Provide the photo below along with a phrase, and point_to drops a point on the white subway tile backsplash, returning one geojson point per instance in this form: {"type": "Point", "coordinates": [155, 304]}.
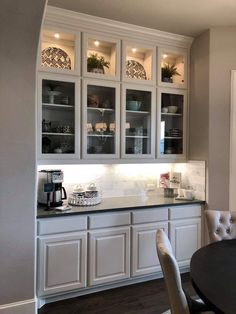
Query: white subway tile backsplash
{"type": "Point", "coordinates": [132, 179]}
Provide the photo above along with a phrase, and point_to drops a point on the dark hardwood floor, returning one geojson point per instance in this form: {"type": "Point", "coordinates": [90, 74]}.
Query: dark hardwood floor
{"type": "Point", "coordinates": [143, 298]}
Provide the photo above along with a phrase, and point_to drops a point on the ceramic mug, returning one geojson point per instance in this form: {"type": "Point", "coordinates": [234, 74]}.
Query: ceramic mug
{"type": "Point", "coordinates": [188, 194]}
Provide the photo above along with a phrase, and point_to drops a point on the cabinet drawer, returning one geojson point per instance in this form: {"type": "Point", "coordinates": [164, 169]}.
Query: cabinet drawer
{"type": "Point", "coordinates": [185, 211]}
{"type": "Point", "coordinates": [109, 220]}
{"type": "Point", "coordinates": [149, 215]}
{"type": "Point", "coordinates": [60, 225]}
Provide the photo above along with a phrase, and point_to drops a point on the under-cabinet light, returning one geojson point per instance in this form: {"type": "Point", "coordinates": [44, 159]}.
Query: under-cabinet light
{"type": "Point", "coordinates": [165, 56]}
{"type": "Point", "coordinates": [96, 43]}
{"type": "Point", "coordinates": [134, 50]}
{"type": "Point", "coordinates": [56, 35]}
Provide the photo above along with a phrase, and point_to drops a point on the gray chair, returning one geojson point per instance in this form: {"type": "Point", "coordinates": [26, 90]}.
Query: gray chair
{"type": "Point", "coordinates": [180, 302]}
{"type": "Point", "coordinates": [221, 225]}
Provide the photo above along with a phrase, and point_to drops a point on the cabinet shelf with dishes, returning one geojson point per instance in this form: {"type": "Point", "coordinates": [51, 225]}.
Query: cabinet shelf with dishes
{"type": "Point", "coordinates": [138, 121]}
{"type": "Point", "coordinates": [172, 121]}
{"type": "Point", "coordinates": [58, 115]}
{"type": "Point", "coordinates": [101, 119]}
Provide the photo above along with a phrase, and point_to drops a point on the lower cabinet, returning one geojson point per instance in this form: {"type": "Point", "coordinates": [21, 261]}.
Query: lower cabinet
{"type": "Point", "coordinates": [62, 263]}
{"type": "Point", "coordinates": [109, 255]}
{"type": "Point", "coordinates": [144, 255]}
{"type": "Point", "coordinates": [121, 246]}
{"type": "Point", "coordinates": [185, 238]}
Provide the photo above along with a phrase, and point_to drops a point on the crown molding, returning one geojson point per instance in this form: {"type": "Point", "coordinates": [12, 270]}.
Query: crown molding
{"type": "Point", "coordinates": [83, 22]}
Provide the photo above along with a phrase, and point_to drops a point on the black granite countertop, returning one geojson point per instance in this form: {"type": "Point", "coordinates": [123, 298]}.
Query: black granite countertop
{"type": "Point", "coordinates": [117, 203]}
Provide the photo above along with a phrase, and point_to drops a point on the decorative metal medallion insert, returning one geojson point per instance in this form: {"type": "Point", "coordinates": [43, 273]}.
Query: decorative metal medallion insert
{"type": "Point", "coordinates": [54, 57]}
{"type": "Point", "coordinates": [134, 69]}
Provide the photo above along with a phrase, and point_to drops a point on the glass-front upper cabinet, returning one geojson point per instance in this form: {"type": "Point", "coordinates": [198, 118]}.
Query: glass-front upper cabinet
{"type": "Point", "coordinates": [139, 63]}
{"type": "Point", "coordinates": [172, 123]}
{"type": "Point", "coordinates": [138, 121]}
{"type": "Point", "coordinates": [172, 67]}
{"type": "Point", "coordinates": [59, 51]}
{"type": "Point", "coordinates": [101, 119]}
{"type": "Point", "coordinates": [101, 57]}
{"type": "Point", "coordinates": [58, 117]}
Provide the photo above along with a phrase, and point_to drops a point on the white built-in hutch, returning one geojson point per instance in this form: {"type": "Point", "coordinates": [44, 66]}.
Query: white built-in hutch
{"type": "Point", "coordinates": [129, 110]}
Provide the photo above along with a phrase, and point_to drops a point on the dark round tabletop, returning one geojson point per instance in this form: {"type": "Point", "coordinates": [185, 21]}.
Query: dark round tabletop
{"type": "Point", "coordinates": [213, 273]}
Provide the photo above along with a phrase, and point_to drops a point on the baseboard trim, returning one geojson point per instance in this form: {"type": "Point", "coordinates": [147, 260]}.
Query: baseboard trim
{"type": "Point", "coordinates": [21, 307]}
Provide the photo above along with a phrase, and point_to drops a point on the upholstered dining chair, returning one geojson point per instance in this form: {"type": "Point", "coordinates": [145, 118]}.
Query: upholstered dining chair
{"type": "Point", "coordinates": [221, 225]}
{"type": "Point", "coordinates": [180, 302]}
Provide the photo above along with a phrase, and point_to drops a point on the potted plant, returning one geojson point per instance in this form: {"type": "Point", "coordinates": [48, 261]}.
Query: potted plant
{"type": "Point", "coordinates": [97, 63]}
{"type": "Point", "coordinates": [168, 71]}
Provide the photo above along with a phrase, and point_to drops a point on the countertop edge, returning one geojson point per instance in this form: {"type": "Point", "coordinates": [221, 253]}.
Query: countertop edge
{"type": "Point", "coordinates": [90, 210]}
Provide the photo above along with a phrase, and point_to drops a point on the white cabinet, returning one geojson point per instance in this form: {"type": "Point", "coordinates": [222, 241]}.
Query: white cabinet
{"type": "Point", "coordinates": [101, 119]}
{"type": "Point", "coordinates": [144, 227]}
{"type": "Point", "coordinates": [172, 122]}
{"type": "Point", "coordinates": [109, 255]}
{"type": "Point", "coordinates": [138, 63]}
{"type": "Point", "coordinates": [62, 254]}
{"type": "Point", "coordinates": [61, 263]}
{"type": "Point", "coordinates": [113, 127]}
{"type": "Point", "coordinates": [138, 121]}
{"type": "Point", "coordinates": [144, 255]}
{"type": "Point", "coordinates": [58, 116]}
{"type": "Point", "coordinates": [101, 57]}
{"type": "Point", "coordinates": [185, 232]}
{"type": "Point", "coordinates": [173, 67]}
{"type": "Point", "coordinates": [121, 247]}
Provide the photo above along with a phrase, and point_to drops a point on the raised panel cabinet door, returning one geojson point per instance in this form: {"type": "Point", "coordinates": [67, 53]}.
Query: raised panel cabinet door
{"type": "Point", "coordinates": [185, 237]}
{"type": "Point", "coordinates": [144, 254]}
{"type": "Point", "coordinates": [109, 255]}
{"type": "Point", "coordinates": [62, 263]}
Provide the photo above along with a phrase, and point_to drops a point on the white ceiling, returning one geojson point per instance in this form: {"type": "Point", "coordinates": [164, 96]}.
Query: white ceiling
{"type": "Point", "coordinates": [185, 17]}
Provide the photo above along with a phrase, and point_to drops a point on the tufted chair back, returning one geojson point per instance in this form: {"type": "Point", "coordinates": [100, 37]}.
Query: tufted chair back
{"type": "Point", "coordinates": [170, 269]}
{"type": "Point", "coordinates": [221, 225]}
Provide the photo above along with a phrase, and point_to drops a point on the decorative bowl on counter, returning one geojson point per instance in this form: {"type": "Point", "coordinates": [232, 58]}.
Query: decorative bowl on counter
{"type": "Point", "coordinates": [85, 197]}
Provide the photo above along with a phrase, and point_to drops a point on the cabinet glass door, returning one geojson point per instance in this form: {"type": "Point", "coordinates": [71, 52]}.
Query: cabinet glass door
{"type": "Point", "coordinates": [101, 119]}
{"type": "Point", "coordinates": [172, 67]}
{"type": "Point", "coordinates": [138, 63]}
{"type": "Point", "coordinates": [172, 124]}
{"type": "Point", "coordinates": [59, 51]}
{"type": "Point", "coordinates": [58, 117]}
{"type": "Point", "coordinates": [101, 57]}
{"type": "Point", "coordinates": [138, 123]}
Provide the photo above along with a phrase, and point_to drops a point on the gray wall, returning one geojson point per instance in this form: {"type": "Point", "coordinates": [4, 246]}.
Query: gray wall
{"type": "Point", "coordinates": [222, 59]}
{"type": "Point", "coordinates": [199, 98]}
{"type": "Point", "coordinates": [20, 23]}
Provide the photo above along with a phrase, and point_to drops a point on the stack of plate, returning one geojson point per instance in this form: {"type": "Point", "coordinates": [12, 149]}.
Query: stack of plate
{"type": "Point", "coordinates": [175, 132]}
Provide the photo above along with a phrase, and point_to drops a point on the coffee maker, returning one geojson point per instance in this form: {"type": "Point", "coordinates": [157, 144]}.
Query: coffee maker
{"type": "Point", "coordinates": [50, 189]}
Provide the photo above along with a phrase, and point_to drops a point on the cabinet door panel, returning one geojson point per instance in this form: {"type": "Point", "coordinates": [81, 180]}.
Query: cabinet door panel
{"type": "Point", "coordinates": [185, 237]}
{"type": "Point", "coordinates": [61, 263]}
{"type": "Point", "coordinates": [144, 255]}
{"type": "Point", "coordinates": [109, 255]}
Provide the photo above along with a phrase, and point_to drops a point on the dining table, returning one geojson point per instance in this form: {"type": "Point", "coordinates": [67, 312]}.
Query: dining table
{"type": "Point", "coordinates": [213, 275]}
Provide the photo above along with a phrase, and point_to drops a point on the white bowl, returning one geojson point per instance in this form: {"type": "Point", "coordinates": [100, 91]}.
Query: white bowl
{"type": "Point", "coordinates": [172, 109]}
